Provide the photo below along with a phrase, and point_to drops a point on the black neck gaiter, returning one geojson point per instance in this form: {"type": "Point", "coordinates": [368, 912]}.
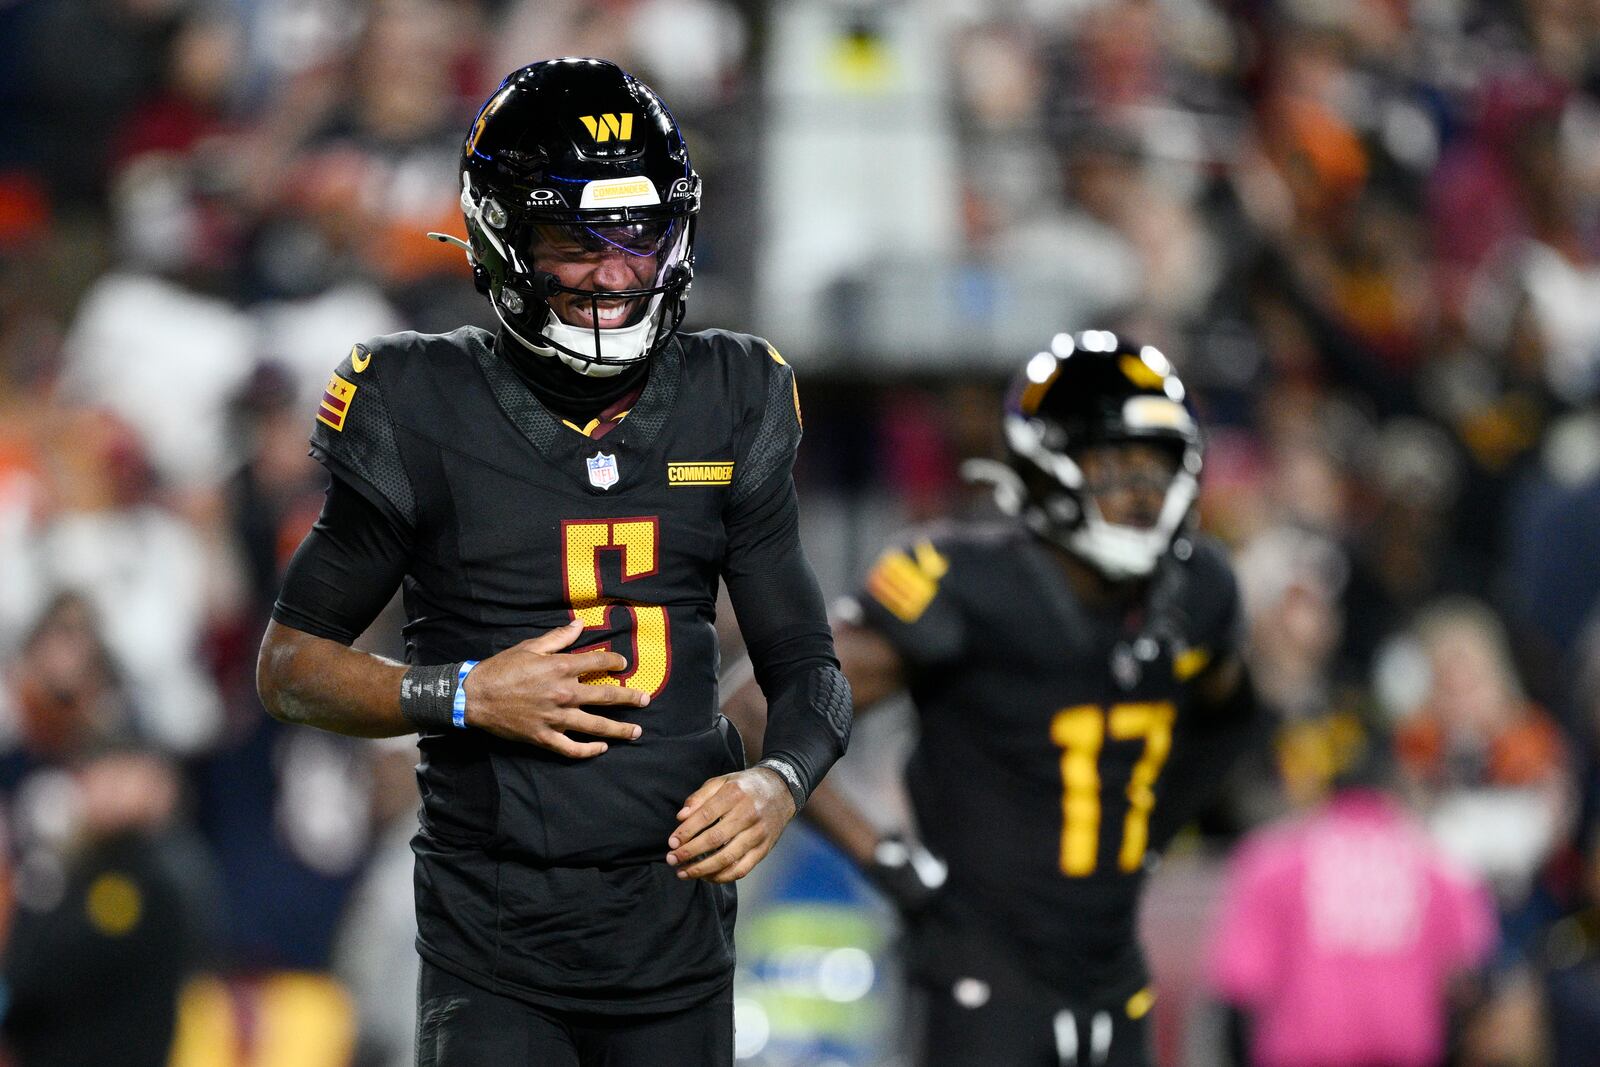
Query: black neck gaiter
{"type": "Point", "coordinates": [562, 390]}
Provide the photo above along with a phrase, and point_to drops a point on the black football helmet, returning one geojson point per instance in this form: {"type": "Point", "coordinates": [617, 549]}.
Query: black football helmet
{"type": "Point", "coordinates": [1094, 388]}
{"type": "Point", "coordinates": [579, 154]}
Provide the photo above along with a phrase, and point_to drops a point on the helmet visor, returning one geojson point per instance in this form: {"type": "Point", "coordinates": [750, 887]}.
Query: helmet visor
{"type": "Point", "coordinates": [563, 242]}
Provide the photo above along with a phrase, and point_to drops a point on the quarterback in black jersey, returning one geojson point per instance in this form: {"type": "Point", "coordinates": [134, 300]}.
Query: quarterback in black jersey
{"type": "Point", "coordinates": [1078, 689]}
{"type": "Point", "coordinates": [558, 501]}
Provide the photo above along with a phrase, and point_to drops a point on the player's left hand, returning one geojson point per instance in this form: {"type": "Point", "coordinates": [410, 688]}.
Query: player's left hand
{"type": "Point", "coordinates": [728, 825]}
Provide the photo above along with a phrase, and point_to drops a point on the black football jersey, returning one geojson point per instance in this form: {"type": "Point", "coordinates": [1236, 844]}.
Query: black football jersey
{"type": "Point", "coordinates": [1059, 748]}
{"type": "Point", "coordinates": [519, 523]}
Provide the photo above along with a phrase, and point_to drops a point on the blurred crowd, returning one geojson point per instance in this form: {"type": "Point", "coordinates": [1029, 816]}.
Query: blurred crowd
{"type": "Point", "coordinates": [1366, 231]}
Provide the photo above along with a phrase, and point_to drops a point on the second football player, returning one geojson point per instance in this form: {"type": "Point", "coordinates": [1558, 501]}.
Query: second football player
{"type": "Point", "coordinates": [1078, 689]}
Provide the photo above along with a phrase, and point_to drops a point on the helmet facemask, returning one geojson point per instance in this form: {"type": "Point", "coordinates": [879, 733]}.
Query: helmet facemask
{"type": "Point", "coordinates": [597, 331]}
{"type": "Point", "coordinates": [1054, 497]}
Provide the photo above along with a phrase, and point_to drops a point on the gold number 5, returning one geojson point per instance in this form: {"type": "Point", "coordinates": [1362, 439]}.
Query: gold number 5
{"type": "Point", "coordinates": [638, 541]}
{"type": "Point", "coordinates": [1080, 732]}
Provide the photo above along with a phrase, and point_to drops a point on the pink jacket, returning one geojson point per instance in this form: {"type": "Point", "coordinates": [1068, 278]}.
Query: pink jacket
{"type": "Point", "coordinates": [1339, 934]}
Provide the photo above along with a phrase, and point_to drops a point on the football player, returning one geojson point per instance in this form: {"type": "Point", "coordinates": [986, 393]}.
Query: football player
{"type": "Point", "coordinates": [558, 500]}
{"type": "Point", "coordinates": [1078, 687]}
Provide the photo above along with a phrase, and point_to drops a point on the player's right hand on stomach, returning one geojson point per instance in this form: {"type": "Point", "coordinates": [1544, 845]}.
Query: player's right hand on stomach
{"type": "Point", "coordinates": [531, 692]}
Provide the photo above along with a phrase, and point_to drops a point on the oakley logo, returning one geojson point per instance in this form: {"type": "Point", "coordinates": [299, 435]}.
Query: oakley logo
{"type": "Point", "coordinates": [604, 127]}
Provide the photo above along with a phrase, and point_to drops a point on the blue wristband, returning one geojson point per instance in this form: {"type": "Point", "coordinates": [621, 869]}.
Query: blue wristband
{"type": "Point", "coordinates": [458, 709]}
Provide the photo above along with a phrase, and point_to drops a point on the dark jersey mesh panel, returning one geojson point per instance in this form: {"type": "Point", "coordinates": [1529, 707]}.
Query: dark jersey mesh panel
{"type": "Point", "coordinates": [365, 446]}
{"type": "Point", "coordinates": [776, 438]}
{"type": "Point", "coordinates": [512, 394]}
{"type": "Point", "coordinates": [660, 397]}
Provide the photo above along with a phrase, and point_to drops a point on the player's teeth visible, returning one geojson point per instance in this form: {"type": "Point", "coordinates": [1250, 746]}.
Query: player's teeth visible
{"type": "Point", "coordinates": [608, 314]}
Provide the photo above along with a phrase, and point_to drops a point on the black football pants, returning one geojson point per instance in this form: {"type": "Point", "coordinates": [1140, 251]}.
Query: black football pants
{"type": "Point", "coordinates": [1024, 1029]}
{"type": "Point", "coordinates": [973, 1006]}
{"type": "Point", "coordinates": [460, 1025]}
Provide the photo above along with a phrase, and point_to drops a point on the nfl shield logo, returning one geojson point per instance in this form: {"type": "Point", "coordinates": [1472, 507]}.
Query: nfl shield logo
{"type": "Point", "coordinates": [602, 470]}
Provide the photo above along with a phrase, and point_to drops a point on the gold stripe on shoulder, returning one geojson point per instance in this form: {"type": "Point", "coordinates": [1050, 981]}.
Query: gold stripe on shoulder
{"type": "Point", "coordinates": [931, 560]}
{"type": "Point", "coordinates": [905, 586]}
{"type": "Point", "coordinates": [1190, 662]}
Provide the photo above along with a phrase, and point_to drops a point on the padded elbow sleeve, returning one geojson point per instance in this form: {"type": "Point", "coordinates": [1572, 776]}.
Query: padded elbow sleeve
{"type": "Point", "coordinates": [808, 723]}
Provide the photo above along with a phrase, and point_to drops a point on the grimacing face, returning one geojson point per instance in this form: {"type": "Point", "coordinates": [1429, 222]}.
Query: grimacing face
{"type": "Point", "coordinates": [602, 259]}
{"type": "Point", "coordinates": [1128, 481]}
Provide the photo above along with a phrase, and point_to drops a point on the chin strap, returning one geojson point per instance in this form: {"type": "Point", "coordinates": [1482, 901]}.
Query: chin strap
{"type": "Point", "coordinates": [586, 367]}
{"type": "Point", "coordinates": [618, 347]}
{"type": "Point", "coordinates": [1123, 552]}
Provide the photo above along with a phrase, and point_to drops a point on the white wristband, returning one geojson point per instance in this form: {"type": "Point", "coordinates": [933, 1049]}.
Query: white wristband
{"type": "Point", "coordinates": [791, 778]}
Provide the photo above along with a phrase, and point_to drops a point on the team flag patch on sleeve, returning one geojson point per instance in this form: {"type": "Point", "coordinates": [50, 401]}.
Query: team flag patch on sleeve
{"type": "Point", "coordinates": [904, 585]}
{"type": "Point", "coordinates": [336, 400]}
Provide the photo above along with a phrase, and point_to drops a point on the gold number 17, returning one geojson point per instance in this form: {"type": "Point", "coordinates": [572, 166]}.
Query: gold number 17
{"type": "Point", "coordinates": [1080, 732]}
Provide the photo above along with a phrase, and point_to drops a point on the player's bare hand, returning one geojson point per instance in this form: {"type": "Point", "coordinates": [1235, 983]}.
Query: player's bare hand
{"type": "Point", "coordinates": [728, 825]}
{"type": "Point", "coordinates": [532, 692]}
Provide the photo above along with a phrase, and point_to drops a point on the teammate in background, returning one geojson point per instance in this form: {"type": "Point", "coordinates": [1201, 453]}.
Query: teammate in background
{"type": "Point", "coordinates": [1078, 688]}
{"type": "Point", "coordinates": [558, 501]}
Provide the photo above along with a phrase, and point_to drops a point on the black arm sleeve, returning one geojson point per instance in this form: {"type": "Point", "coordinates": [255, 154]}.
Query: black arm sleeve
{"type": "Point", "coordinates": [785, 626]}
{"type": "Point", "coordinates": [346, 569]}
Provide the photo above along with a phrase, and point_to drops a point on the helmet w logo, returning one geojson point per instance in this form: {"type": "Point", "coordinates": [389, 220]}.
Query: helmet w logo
{"type": "Point", "coordinates": [604, 127]}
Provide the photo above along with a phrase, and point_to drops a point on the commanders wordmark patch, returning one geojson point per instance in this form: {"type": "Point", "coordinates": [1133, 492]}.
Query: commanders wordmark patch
{"type": "Point", "coordinates": [712, 472]}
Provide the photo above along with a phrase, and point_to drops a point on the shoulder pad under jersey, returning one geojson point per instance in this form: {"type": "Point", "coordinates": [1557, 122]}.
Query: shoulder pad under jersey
{"type": "Point", "coordinates": [769, 409]}
{"type": "Point", "coordinates": [354, 433]}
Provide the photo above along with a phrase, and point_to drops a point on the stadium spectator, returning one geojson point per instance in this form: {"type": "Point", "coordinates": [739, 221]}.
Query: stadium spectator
{"type": "Point", "coordinates": [107, 896]}
{"type": "Point", "coordinates": [154, 582]}
{"type": "Point", "coordinates": [1341, 932]}
{"type": "Point", "coordinates": [1492, 767]}
{"type": "Point", "coordinates": [1293, 583]}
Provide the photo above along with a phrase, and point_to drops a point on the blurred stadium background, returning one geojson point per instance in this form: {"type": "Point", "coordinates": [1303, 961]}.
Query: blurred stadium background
{"type": "Point", "coordinates": [1365, 230]}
